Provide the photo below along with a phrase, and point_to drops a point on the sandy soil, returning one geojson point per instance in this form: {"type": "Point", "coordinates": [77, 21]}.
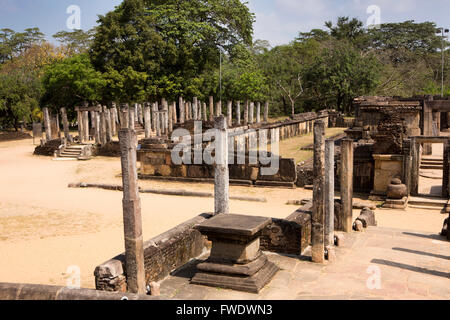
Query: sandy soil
{"type": "Point", "coordinates": [46, 227]}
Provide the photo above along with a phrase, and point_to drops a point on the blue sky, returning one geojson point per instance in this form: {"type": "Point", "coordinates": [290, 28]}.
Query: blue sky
{"type": "Point", "coordinates": [278, 21]}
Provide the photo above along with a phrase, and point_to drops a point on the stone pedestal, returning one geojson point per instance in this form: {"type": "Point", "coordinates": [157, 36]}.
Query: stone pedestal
{"type": "Point", "coordinates": [236, 261]}
{"type": "Point", "coordinates": [387, 167]}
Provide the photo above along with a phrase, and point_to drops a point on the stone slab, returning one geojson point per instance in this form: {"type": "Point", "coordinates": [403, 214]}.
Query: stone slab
{"type": "Point", "coordinates": [252, 284]}
{"type": "Point", "coordinates": [234, 224]}
{"type": "Point", "coordinates": [248, 269]}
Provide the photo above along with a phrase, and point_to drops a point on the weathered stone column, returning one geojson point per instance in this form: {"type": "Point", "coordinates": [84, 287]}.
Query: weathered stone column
{"type": "Point", "coordinates": [132, 220]}
{"type": "Point", "coordinates": [103, 127]}
{"type": "Point", "coordinates": [346, 177]}
{"type": "Point", "coordinates": [258, 112]}
{"type": "Point", "coordinates": [329, 192]}
{"type": "Point", "coordinates": [221, 173]}
{"type": "Point", "coordinates": [80, 125]}
{"type": "Point", "coordinates": [182, 110]}
{"type": "Point", "coordinates": [246, 113]}
{"type": "Point", "coordinates": [251, 119]}
{"type": "Point", "coordinates": [97, 128]}
{"type": "Point", "coordinates": [92, 115]}
{"type": "Point", "coordinates": [427, 124]}
{"type": "Point", "coordinates": [211, 109]}
{"type": "Point", "coordinates": [317, 218]}
{"type": "Point", "coordinates": [195, 109]}
{"type": "Point", "coordinates": [147, 120]}
{"type": "Point", "coordinates": [114, 120]}
{"type": "Point", "coordinates": [205, 115]}
{"type": "Point", "coordinates": [238, 113]}
{"type": "Point", "coordinates": [266, 111]}
{"type": "Point", "coordinates": [140, 114]}
{"type": "Point", "coordinates": [158, 123]}
{"type": "Point", "coordinates": [124, 123]}
{"type": "Point", "coordinates": [165, 106]}
{"type": "Point", "coordinates": [230, 114]}
{"type": "Point", "coordinates": [169, 120]}
{"type": "Point", "coordinates": [109, 134]}
{"type": "Point", "coordinates": [47, 124]}
{"type": "Point", "coordinates": [218, 108]}
{"type": "Point", "coordinates": [86, 125]}
{"type": "Point", "coordinates": [131, 118]}
{"type": "Point", "coordinates": [65, 125]}
{"type": "Point", "coordinates": [174, 113]}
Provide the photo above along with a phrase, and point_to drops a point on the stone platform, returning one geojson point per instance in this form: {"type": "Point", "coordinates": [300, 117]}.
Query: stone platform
{"type": "Point", "coordinates": [410, 265]}
{"type": "Point", "coordinates": [236, 261]}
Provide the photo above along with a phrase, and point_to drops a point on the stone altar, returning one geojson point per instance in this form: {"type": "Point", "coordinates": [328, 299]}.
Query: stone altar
{"type": "Point", "coordinates": [236, 260]}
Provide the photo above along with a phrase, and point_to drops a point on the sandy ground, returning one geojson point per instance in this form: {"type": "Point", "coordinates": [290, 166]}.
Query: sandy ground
{"type": "Point", "coordinates": [46, 227]}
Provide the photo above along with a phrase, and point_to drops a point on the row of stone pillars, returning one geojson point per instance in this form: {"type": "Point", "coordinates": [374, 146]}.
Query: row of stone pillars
{"type": "Point", "coordinates": [323, 215]}
{"type": "Point", "coordinates": [103, 121]}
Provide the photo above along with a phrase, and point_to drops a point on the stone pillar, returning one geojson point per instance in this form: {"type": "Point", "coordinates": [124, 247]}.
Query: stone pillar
{"type": "Point", "coordinates": [147, 120]}
{"type": "Point", "coordinates": [92, 115]}
{"type": "Point", "coordinates": [266, 111]}
{"type": "Point", "coordinates": [131, 118]}
{"type": "Point", "coordinates": [125, 117]}
{"type": "Point", "coordinates": [132, 220]}
{"type": "Point", "coordinates": [80, 125]}
{"type": "Point", "coordinates": [258, 112]}
{"type": "Point", "coordinates": [182, 110]}
{"type": "Point", "coordinates": [65, 125]}
{"type": "Point", "coordinates": [114, 120]}
{"type": "Point", "coordinates": [158, 123]}
{"type": "Point", "coordinates": [174, 113]}
{"type": "Point", "coordinates": [246, 113]}
{"type": "Point", "coordinates": [251, 119]}
{"type": "Point", "coordinates": [230, 114]}
{"type": "Point", "coordinates": [427, 125]}
{"type": "Point", "coordinates": [211, 109]}
{"type": "Point", "coordinates": [195, 109]}
{"type": "Point", "coordinates": [218, 108]}
{"type": "Point", "coordinates": [103, 127]}
{"type": "Point", "coordinates": [140, 114]}
{"type": "Point", "coordinates": [221, 173]}
{"type": "Point", "coordinates": [329, 192]}
{"type": "Point", "coordinates": [86, 125]}
{"type": "Point", "coordinates": [170, 120]}
{"type": "Point", "coordinates": [317, 218]}
{"type": "Point", "coordinates": [238, 113]}
{"type": "Point", "coordinates": [97, 128]}
{"type": "Point", "coordinates": [165, 107]}
{"type": "Point", "coordinates": [346, 176]}
{"type": "Point", "coordinates": [205, 116]}
{"type": "Point", "coordinates": [415, 164]}
{"type": "Point", "coordinates": [47, 124]}
{"type": "Point", "coordinates": [109, 134]}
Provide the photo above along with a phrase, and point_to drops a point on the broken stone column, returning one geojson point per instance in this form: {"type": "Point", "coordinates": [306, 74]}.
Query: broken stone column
{"type": "Point", "coordinates": [230, 114]}
{"type": "Point", "coordinates": [317, 218]}
{"type": "Point", "coordinates": [329, 192]}
{"type": "Point", "coordinates": [131, 118]}
{"type": "Point", "coordinates": [86, 126]}
{"type": "Point", "coordinates": [66, 125]}
{"type": "Point", "coordinates": [195, 109]}
{"type": "Point", "coordinates": [125, 116]}
{"type": "Point", "coordinates": [103, 128]}
{"type": "Point", "coordinates": [182, 110]}
{"type": "Point", "coordinates": [238, 113]}
{"type": "Point", "coordinates": [221, 173]}
{"type": "Point", "coordinates": [80, 125]}
{"type": "Point", "coordinates": [132, 220]}
{"type": "Point", "coordinates": [258, 112]}
{"type": "Point", "coordinates": [266, 111]}
{"type": "Point", "coordinates": [218, 108]}
{"type": "Point", "coordinates": [251, 119]}
{"type": "Point", "coordinates": [205, 115]}
{"type": "Point", "coordinates": [246, 113]}
{"type": "Point", "coordinates": [109, 134]}
{"type": "Point", "coordinates": [47, 125]}
{"type": "Point", "coordinates": [147, 120]}
{"type": "Point", "coordinates": [97, 128]}
{"type": "Point", "coordinates": [346, 177]}
{"type": "Point", "coordinates": [211, 109]}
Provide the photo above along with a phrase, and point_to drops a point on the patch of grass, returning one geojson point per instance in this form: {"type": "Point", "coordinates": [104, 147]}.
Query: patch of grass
{"type": "Point", "coordinates": [291, 148]}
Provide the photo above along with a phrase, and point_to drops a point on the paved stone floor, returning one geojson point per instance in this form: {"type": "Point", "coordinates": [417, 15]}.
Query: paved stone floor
{"type": "Point", "coordinates": [379, 263]}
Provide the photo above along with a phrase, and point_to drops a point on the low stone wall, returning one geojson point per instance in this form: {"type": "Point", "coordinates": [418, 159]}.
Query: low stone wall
{"type": "Point", "coordinates": [162, 255]}
{"type": "Point", "coordinates": [49, 148]}
{"type": "Point", "coordinates": [111, 149]}
{"type": "Point", "coordinates": [19, 291]}
{"type": "Point", "coordinates": [176, 247]}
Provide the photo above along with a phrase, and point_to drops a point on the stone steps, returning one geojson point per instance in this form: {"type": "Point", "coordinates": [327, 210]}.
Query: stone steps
{"type": "Point", "coordinates": [72, 152]}
{"type": "Point", "coordinates": [432, 167]}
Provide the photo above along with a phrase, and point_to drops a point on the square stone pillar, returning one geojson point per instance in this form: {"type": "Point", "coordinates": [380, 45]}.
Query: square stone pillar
{"type": "Point", "coordinates": [346, 177]}
{"type": "Point", "coordinates": [266, 111]}
{"type": "Point", "coordinates": [238, 113]}
{"type": "Point", "coordinates": [147, 120]}
{"type": "Point", "coordinates": [230, 114]}
{"type": "Point", "coordinates": [246, 113]}
{"type": "Point", "coordinates": [65, 125]}
{"type": "Point", "coordinates": [252, 113]}
{"type": "Point", "coordinates": [221, 173]}
{"type": "Point", "coordinates": [329, 192]}
{"type": "Point", "coordinates": [258, 112]}
{"type": "Point", "coordinates": [86, 126]}
{"type": "Point", "coordinates": [47, 124]}
{"type": "Point", "coordinates": [132, 220]}
{"type": "Point", "coordinates": [317, 218]}
{"type": "Point", "coordinates": [211, 109]}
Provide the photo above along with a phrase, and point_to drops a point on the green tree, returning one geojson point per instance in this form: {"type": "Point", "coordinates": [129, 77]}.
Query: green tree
{"type": "Point", "coordinates": [172, 41]}
{"type": "Point", "coordinates": [77, 41]}
{"type": "Point", "coordinates": [72, 82]}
